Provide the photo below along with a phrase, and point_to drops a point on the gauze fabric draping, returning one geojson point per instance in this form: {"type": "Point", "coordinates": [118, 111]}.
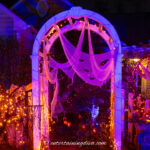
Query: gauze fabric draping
{"type": "Point", "coordinates": [54, 100]}
{"type": "Point", "coordinates": [88, 67]}
{"type": "Point", "coordinates": [100, 74]}
{"type": "Point", "coordinates": [65, 67]}
{"type": "Point", "coordinates": [83, 66]}
{"type": "Point", "coordinates": [51, 76]}
{"type": "Point", "coordinates": [86, 72]}
{"type": "Point", "coordinates": [74, 61]}
{"type": "Point", "coordinates": [67, 46]}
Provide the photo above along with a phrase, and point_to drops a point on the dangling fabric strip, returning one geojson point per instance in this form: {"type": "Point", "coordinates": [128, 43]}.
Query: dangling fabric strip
{"type": "Point", "coordinates": [55, 99]}
{"type": "Point", "coordinates": [67, 46]}
{"type": "Point", "coordinates": [101, 74]}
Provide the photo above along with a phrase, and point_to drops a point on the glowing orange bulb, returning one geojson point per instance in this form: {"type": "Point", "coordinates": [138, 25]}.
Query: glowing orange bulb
{"type": "Point", "coordinates": [1, 124]}
{"type": "Point", "coordinates": [8, 121]}
{"type": "Point", "coordinates": [69, 124]}
{"type": "Point", "coordinates": [94, 130]}
{"type": "Point", "coordinates": [65, 122]}
{"type": "Point", "coordinates": [83, 126]}
{"type": "Point", "coordinates": [50, 130]}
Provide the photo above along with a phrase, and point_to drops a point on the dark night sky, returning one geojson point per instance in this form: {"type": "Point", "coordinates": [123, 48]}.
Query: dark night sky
{"type": "Point", "coordinates": [8, 3]}
{"type": "Point", "coordinates": [115, 6]}
{"type": "Point", "coordinates": [104, 6]}
{"type": "Point", "coordinates": [131, 18]}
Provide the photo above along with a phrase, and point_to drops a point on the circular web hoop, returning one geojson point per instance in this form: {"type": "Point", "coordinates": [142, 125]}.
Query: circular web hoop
{"type": "Point", "coordinates": [94, 69]}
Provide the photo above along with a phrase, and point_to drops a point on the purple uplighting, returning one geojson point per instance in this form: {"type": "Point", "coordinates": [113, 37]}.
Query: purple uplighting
{"type": "Point", "coordinates": [71, 78]}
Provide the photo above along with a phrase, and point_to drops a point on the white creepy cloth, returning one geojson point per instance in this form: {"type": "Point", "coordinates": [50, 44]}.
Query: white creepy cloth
{"type": "Point", "coordinates": [88, 70]}
{"type": "Point", "coordinates": [87, 66]}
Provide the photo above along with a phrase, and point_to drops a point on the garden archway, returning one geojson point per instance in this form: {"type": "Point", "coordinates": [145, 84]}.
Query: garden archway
{"type": "Point", "coordinates": [41, 74]}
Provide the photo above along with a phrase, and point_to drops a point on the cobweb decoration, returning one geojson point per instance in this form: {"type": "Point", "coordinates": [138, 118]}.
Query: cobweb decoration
{"type": "Point", "coordinates": [91, 69]}
{"type": "Point", "coordinates": [143, 68]}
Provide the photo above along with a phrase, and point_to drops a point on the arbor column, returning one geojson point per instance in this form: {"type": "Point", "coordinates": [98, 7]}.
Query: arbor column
{"type": "Point", "coordinates": [36, 102]}
{"type": "Point", "coordinates": [45, 109]}
{"type": "Point", "coordinates": [118, 101]}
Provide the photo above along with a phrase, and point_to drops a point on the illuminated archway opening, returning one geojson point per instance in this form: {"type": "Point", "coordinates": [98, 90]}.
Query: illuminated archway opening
{"type": "Point", "coordinates": [92, 67]}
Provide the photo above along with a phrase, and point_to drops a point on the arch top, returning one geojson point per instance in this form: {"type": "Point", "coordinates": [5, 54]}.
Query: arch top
{"type": "Point", "coordinates": [76, 12]}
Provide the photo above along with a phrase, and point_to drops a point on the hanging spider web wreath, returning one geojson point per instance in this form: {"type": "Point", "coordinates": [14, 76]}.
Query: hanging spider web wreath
{"type": "Point", "coordinates": [94, 69]}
